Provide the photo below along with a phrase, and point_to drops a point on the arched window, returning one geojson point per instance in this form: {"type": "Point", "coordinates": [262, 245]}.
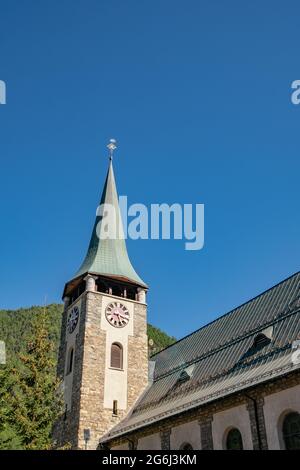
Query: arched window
{"type": "Point", "coordinates": [70, 360]}
{"type": "Point", "coordinates": [116, 356]}
{"type": "Point", "coordinates": [186, 446]}
{"type": "Point", "coordinates": [291, 431]}
{"type": "Point", "coordinates": [234, 440]}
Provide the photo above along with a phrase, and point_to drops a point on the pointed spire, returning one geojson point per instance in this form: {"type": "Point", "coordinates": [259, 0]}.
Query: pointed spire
{"type": "Point", "coordinates": [108, 256]}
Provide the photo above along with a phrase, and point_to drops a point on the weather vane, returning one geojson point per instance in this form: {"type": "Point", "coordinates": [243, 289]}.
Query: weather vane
{"type": "Point", "coordinates": [111, 146]}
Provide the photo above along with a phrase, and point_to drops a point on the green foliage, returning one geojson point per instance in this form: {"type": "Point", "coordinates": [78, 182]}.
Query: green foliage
{"type": "Point", "coordinates": [29, 397]}
{"type": "Point", "coordinates": [9, 438]}
{"type": "Point", "coordinates": [29, 403]}
{"type": "Point", "coordinates": [159, 339]}
{"type": "Point", "coordinates": [35, 401]}
{"type": "Point", "coordinates": [17, 325]}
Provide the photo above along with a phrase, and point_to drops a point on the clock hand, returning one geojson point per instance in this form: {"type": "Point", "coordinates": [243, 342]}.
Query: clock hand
{"type": "Point", "coordinates": [121, 315]}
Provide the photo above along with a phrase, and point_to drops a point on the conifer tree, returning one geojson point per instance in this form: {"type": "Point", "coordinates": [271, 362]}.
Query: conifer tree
{"type": "Point", "coordinates": [35, 401]}
{"type": "Point", "coordinates": [9, 440]}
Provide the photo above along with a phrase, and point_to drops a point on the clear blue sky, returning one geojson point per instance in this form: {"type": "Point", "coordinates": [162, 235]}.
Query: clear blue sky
{"type": "Point", "coordinates": [197, 93]}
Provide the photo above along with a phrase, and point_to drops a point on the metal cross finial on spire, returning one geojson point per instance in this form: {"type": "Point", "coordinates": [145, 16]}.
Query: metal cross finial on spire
{"type": "Point", "coordinates": [111, 146]}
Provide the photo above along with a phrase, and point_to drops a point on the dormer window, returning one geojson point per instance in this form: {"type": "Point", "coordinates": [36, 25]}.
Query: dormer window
{"type": "Point", "coordinates": [260, 341]}
{"type": "Point", "coordinates": [184, 377]}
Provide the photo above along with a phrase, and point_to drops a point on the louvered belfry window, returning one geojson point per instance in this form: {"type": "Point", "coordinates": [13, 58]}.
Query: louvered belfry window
{"type": "Point", "coordinates": [116, 356]}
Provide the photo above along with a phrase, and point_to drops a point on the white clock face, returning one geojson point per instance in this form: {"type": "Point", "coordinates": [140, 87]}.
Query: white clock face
{"type": "Point", "coordinates": [117, 314]}
{"type": "Point", "coordinates": [72, 319]}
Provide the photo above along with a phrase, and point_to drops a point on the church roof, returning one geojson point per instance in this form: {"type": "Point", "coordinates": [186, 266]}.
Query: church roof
{"type": "Point", "coordinates": [108, 256]}
{"type": "Point", "coordinates": [249, 345]}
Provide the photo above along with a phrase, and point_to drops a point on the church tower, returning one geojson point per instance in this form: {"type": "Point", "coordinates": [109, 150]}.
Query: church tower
{"type": "Point", "coordinates": [103, 355]}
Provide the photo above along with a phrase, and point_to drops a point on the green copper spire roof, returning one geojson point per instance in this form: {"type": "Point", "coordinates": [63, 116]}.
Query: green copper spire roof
{"type": "Point", "coordinates": [108, 256]}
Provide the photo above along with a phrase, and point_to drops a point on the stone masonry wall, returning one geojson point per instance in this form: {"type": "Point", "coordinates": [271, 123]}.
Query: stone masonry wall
{"type": "Point", "coordinates": [137, 356]}
{"type": "Point", "coordinates": [93, 374]}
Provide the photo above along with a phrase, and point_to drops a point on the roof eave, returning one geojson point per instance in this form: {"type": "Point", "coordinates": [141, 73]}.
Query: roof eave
{"type": "Point", "coordinates": [121, 278]}
{"type": "Point", "coordinates": [122, 434]}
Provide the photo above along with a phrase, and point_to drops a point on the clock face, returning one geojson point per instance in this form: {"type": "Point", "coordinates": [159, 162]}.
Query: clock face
{"type": "Point", "coordinates": [72, 319]}
{"type": "Point", "coordinates": [117, 314]}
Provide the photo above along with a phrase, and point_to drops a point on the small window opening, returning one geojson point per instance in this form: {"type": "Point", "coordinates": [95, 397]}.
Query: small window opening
{"type": "Point", "coordinates": [70, 361]}
{"type": "Point", "coordinates": [131, 294]}
{"type": "Point", "coordinates": [101, 286]}
{"type": "Point", "coordinates": [116, 290]}
{"type": "Point", "coordinates": [115, 407]}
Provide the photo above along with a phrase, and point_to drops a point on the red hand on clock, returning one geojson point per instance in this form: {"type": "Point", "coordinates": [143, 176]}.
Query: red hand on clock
{"type": "Point", "coordinates": [121, 315]}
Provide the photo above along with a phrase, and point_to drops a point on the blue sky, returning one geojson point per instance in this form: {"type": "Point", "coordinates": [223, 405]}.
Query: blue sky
{"type": "Point", "coordinates": [197, 94]}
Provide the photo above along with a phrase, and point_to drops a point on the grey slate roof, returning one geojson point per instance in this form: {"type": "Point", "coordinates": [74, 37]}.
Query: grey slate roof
{"type": "Point", "coordinates": [108, 256]}
{"type": "Point", "coordinates": [220, 358]}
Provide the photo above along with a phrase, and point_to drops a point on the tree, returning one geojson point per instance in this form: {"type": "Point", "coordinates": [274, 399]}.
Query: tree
{"type": "Point", "coordinates": [9, 439]}
{"type": "Point", "coordinates": [35, 401]}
